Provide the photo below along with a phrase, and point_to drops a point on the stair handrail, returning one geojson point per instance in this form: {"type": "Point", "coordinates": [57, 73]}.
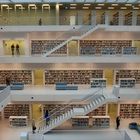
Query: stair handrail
{"type": "Point", "coordinates": [73, 36]}
{"type": "Point", "coordinates": [86, 98]}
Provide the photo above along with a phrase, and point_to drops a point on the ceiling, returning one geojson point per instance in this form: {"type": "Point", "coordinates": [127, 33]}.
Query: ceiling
{"type": "Point", "coordinates": [69, 1]}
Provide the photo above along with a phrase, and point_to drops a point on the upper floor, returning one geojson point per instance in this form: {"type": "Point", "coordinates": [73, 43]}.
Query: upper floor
{"type": "Point", "coordinates": [70, 13]}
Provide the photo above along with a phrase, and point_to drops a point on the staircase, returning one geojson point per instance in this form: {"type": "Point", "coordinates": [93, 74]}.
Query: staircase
{"type": "Point", "coordinates": [90, 30]}
{"type": "Point", "coordinates": [4, 97]}
{"type": "Point", "coordinates": [90, 102]}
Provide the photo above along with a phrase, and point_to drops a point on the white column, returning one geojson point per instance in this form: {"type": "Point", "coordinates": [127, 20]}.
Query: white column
{"type": "Point", "coordinates": [134, 17]}
{"type": "Point", "coordinates": [80, 17]}
{"type": "Point", "coordinates": [93, 17]}
{"type": "Point", "coordinates": [121, 18]}
{"type": "Point", "coordinates": [107, 17]}
{"type": "Point", "coordinates": [57, 14]}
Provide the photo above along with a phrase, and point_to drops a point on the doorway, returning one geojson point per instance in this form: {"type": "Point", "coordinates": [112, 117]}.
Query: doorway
{"type": "Point", "coordinates": [39, 77]}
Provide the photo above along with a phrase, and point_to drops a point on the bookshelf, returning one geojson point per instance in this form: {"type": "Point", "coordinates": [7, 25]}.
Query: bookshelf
{"type": "Point", "coordinates": [100, 111]}
{"type": "Point", "coordinates": [98, 82]}
{"type": "Point", "coordinates": [101, 121]}
{"type": "Point", "coordinates": [39, 47]}
{"type": "Point", "coordinates": [18, 121]}
{"type": "Point", "coordinates": [138, 19]}
{"type": "Point", "coordinates": [71, 76]}
{"type": "Point", "coordinates": [24, 76]}
{"type": "Point", "coordinates": [130, 50]}
{"type": "Point", "coordinates": [115, 20]}
{"type": "Point", "coordinates": [128, 74]}
{"type": "Point", "coordinates": [80, 121]}
{"type": "Point", "coordinates": [129, 110]}
{"type": "Point", "coordinates": [127, 82]}
{"type": "Point", "coordinates": [128, 19]}
{"type": "Point", "coordinates": [16, 110]}
{"type": "Point", "coordinates": [104, 47]}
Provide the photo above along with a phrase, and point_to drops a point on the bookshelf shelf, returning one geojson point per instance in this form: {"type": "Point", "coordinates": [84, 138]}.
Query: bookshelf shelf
{"type": "Point", "coordinates": [129, 110]}
{"type": "Point", "coordinates": [101, 121]}
{"type": "Point", "coordinates": [128, 19]}
{"type": "Point", "coordinates": [24, 76]}
{"type": "Point", "coordinates": [16, 110]}
{"type": "Point", "coordinates": [106, 47]}
{"type": "Point", "coordinates": [39, 47]}
{"type": "Point", "coordinates": [128, 74]}
{"type": "Point", "coordinates": [71, 76]}
{"type": "Point", "coordinates": [18, 121]}
{"type": "Point", "coordinates": [127, 82]}
{"type": "Point", "coordinates": [98, 82]}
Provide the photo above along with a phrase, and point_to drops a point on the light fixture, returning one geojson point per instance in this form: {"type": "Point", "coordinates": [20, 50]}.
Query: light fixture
{"type": "Point", "coordinates": [98, 7]}
{"type": "Point", "coordinates": [85, 7]}
{"type": "Point", "coordinates": [128, 4]}
{"type": "Point", "coordinates": [101, 4]}
{"type": "Point", "coordinates": [72, 7]}
{"type": "Point", "coordinates": [110, 8]}
{"type": "Point", "coordinates": [73, 4]}
{"type": "Point", "coordinates": [60, 4]}
{"type": "Point", "coordinates": [136, 8]}
{"type": "Point", "coordinates": [9, 8]}
{"type": "Point", "coordinates": [114, 4]}
{"type": "Point", "coordinates": [4, 5]}
{"type": "Point", "coordinates": [123, 8]}
{"type": "Point", "coordinates": [87, 4]}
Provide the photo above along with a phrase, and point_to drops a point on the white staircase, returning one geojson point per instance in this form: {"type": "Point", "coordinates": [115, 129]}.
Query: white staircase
{"type": "Point", "coordinates": [90, 103]}
{"type": "Point", "coordinates": [90, 30]}
{"type": "Point", "coordinates": [4, 97]}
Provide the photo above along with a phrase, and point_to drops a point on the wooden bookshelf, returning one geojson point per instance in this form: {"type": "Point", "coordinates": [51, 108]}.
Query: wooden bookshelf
{"type": "Point", "coordinates": [128, 19]}
{"type": "Point", "coordinates": [71, 76]}
{"type": "Point", "coordinates": [98, 82]}
{"type": "Point", "coordinates": [127, 82]}
{"type": "Point", "coordinates": [18, 121]}
{"type": "Point", "coordinates": [39, 47]}
{"type": "Point", "coordinates": [130, 50]}
{"type": "Point", "coordinates": [16, 110]}
{"type": "Point", "coordinates": [24, 76]}
{"type": "Point", "coordinates": [128, 74]}
{"type": "Point", "coordinates": [138, 19]}
{"type": "Point", "coordinates": [100, 111]}
{"type": "Point", "coordinates": [101, 121]}
{"type": "Point", "coordinates": [129, 111]}
{"type": "Point", "coordinates": [115, 20]}
{"type": "Point", "coordinates": [80, 121]}
{"type": "Point", "coordinates": [103, 47]}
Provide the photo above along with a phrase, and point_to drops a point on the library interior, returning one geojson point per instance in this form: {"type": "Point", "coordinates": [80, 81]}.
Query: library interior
{"type": "Point", "coordinates": [69, 66]}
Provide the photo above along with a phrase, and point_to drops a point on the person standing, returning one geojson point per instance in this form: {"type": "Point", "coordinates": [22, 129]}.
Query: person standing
{"type": "Point", "coordinates": [17, 50]}
{"type": "Point", "coordinates": [47, 117]}
{"type": "Point", "coordinates": [8, 81]}
{"type": "Point", "coordinates": [12, 49]}
{"type": "Point", "coordinates": [117, 122]}
{"type": "Point", "coordinates": [40, 22]}
{"type": "Point", "coordinates": [33, 126]}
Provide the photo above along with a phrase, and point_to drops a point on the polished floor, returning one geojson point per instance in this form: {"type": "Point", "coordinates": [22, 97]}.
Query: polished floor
{"type": "Point", "coordinates": [13, 133]}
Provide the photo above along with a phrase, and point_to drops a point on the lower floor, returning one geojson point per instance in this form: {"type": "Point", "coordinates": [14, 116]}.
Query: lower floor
{"type": "Point", "coordinates": [13, 133]}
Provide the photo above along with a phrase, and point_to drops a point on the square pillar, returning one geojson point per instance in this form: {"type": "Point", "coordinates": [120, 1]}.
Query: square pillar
{"type": "Point", "coordinates": [107, 17]}
{"type": "Point", "coordinates": [121, 18]}
{"type": "Point", "coordinates": [134, 18]}
{"type": "Point", "coordinates": [80, 17]}
{"type": "Point", "coordinates": [93, 17]}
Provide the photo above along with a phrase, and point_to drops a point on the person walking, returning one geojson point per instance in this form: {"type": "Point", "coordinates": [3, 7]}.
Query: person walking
{"type": "Point", "coordinates": [12, 49]}
{"type": "Point", "coordinates": [117, 122]}
{"type": "Point", "coordinates": [17, 50]}
{"type": "Point", "coordinates": [47, 117]}
{"type": "Point", "coordinates": [33, 126]}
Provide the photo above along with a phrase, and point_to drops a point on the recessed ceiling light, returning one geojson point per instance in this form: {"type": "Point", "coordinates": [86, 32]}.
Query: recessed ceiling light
{"type": "Point", "coordinates": [114, 4]}
{"type": "Point", "coordinates": [87, 4]}
{"type": "Point", "coordinates": [128, 4]}
{"type": "Point", "coordinates": [123, 7]}
{"type": "Point", "coordinates": [85, 7]}
{"type": "Point", "coordinates": [136, 8]}
{"type": "Point", "coordinates": [72, 7]}
{"type": "Point", "coordinates": [101, 4]}
{"type": "Point", "coordinates": [98, 7]}
{"type": "Point", "coordinates": [110, 7]}
{"type": "Point", "coordinates": [9, 8]}
{"type": "Point", "coordinates": [60, 4]}
{"type": "Point", "coordinates": [73, 4]}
